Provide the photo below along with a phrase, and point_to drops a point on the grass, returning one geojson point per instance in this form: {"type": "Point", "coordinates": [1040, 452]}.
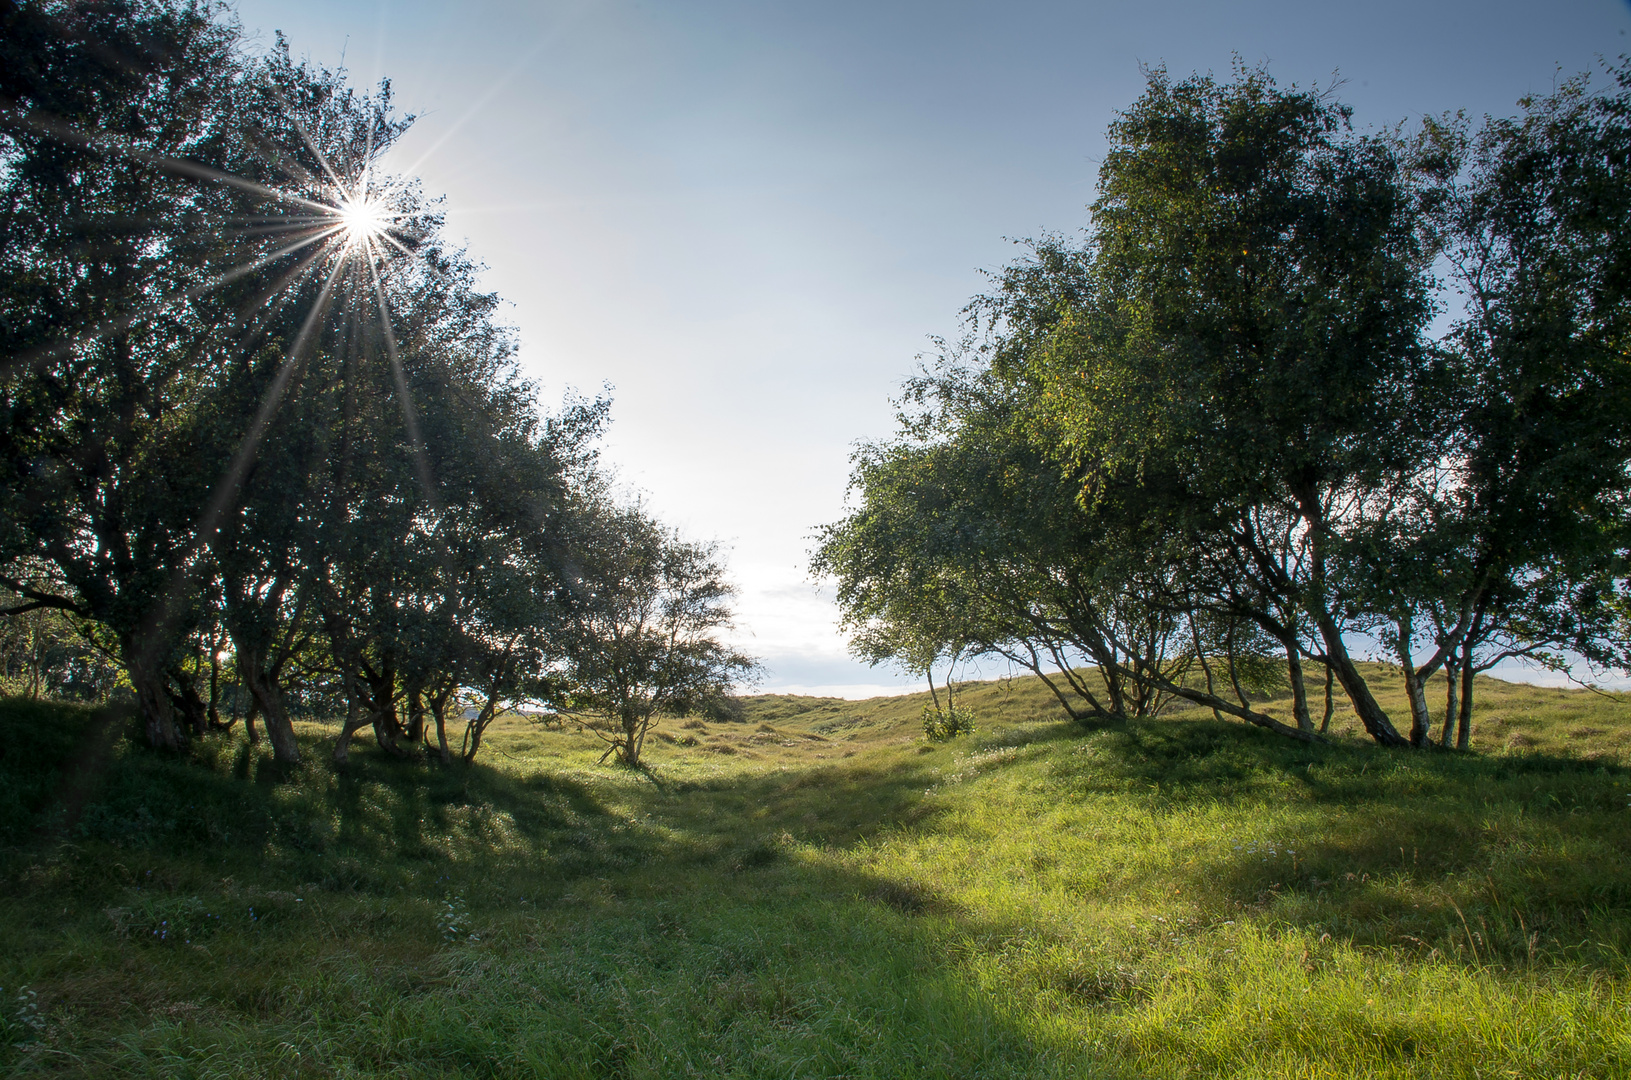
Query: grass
{"type": "Point", "coordinates": [818, 891]}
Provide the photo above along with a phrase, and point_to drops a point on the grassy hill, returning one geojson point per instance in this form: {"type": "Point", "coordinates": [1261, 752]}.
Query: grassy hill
{"type": "Point", "coordinates": [817, 891]}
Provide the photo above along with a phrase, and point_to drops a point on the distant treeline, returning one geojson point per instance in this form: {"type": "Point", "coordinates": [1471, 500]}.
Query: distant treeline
{"type": "Point", "coordinates": [1295, 383]}
{"type": "Point", "coordinates": [260, 427]}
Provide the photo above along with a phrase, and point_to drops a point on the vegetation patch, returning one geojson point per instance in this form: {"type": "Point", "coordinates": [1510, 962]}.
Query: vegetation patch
{"type": "Point", "coordinates": [1170, 897]}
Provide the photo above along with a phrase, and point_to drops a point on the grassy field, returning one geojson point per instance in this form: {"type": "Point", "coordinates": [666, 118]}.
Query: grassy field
{"type": "Point", "coordinates": [817, 891]}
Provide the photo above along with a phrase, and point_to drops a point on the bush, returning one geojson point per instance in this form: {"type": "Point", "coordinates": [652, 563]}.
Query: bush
{"type": "Point", "coordinates": [943, 724]}
{"type": "Point", "coordinates": [723, 709]}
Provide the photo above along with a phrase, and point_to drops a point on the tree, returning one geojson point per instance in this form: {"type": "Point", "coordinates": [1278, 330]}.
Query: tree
{"type": "Point", "coordinates": [237, 412]}
{"type": "Point", "coordinates": [967, 541]}
{"type": "Point", "coordinates": [1223, 416]}
{"type": "Point", "coordinates": [101, 376]}
{"type": "Point", "coordinates": [643, 609]}
{"type": "Point", "coordinates": [1531, 215]}
{"type": "Point", "coordinates": [965, 532]}
{"type": "Point", "coordinates": [1255, 347]}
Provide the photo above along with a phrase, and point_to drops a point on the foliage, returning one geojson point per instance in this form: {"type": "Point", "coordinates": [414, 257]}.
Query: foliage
{"type": "Point", "coordinates": [260, 461]}
{"type": "Point", "coordinates": [1529, 214]}
{"type": "Point", "coordinates": [1219, 431]}
{"type": "Point", "coordinates": [642, 613]}
{"type": "Point", "coordinates": [939, 725]}
{"type": "Point", "coordinates": [20, 1021]}
{"type": "Point", "coordinates": [43, 653]}
{"type": "Point", "coordinates": [100, 390]}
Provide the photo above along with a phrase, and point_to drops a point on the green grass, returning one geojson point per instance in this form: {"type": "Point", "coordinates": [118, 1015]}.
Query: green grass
{"type": "Point", "coordinates": [818, 891]}
{"type": "Point", "coordinates": [40, 740]}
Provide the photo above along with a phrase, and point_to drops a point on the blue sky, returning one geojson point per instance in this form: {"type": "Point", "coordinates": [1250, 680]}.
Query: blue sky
{"type": "Point", "coordinates": [748, 218]}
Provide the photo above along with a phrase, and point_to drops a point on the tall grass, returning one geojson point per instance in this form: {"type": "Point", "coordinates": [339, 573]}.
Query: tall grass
{"type": "Point", "coordinates": [818, 891]}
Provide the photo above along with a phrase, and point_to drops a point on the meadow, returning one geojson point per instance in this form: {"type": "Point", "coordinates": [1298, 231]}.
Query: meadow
{"type": "Point", "coordinates": [816, 890]}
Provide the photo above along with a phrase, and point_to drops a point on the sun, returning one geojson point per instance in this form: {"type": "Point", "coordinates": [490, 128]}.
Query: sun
{"type": "Point", "coordinates": [362, 218]}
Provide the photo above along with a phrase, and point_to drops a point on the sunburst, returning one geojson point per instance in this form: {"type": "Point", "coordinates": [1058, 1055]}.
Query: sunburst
{"type": "Point", "coordinates": [362, 218]}
{"type": "Point", "coordinates": [344, 224]}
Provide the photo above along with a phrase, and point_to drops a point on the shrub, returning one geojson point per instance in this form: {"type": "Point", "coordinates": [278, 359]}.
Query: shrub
{"type": "Point", "coordinates": [943, 724]}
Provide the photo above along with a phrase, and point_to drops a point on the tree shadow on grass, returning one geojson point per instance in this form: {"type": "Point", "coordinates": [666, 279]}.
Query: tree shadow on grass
{"type": "Point", "coordinates": [654, 929]}
{"type": "Point", "coordinates": [686, 926]}
{"type": "Point", "coordinates": [1487, 858]}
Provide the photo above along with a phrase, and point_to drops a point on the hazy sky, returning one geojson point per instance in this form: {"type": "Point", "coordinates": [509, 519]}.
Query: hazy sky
{"type": "Point", "coordinates": [748, 218]}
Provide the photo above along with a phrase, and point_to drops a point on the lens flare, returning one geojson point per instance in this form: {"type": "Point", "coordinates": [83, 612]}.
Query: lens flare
{"type": "Point", "coordinates": [362, 218]}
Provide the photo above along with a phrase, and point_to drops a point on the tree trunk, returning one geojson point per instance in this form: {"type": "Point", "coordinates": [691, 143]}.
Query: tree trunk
{"type": "Point", "coordinates": [355, 719]}
{"type": "Point", "coordinates": [1206, 669]}
{"type": "Point", "coordinates": [416, 715]}
{"type": "Point", "coordinates": [382, 710]}
{"type": "Point", "coordinates": [186, 703]}
{"type": "Point", "coordinates": [631, 740]}
{"type": "Point", "coordinates": [1415, 691]}
{"type": "Point", "coordinates": [1262, 720]}
{"type": "Point", "coordinates": [438, 701]}
{"type": "Point", "coordinates": [478, 726]}
{"type": "Point", "coordinates": [215, 687]}
{"type": "Point", "coordinates": [1330, 701]}
{"type": "Point", "coordinates": [1370, 714]}
{"type": "Point", "coordinates": [36, 653]}
{"type": "Point", "coordinates": [268, 696]}
{"type": "Point", "coordinates": [438, 712]}
{"type": "Point", "coordinates": [933, 693]}
{"type": "Point", "coordinates": [148, 681]}
{"type": "Point", "coordinates": [1299, 689]}
{"type": "Point", "coordinates": [1452, 673]}
{"type": "Point", "coordinates": [1463, 732]}
{"type": "Point", "coordinates": [1113, 688]}
{"type": "Point", "coordinates": [1421, 722]}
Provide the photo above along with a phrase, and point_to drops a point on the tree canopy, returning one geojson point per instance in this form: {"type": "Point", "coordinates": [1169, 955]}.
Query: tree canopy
{"type": "Point", "coordinates": [258, 416]}
{"type": "Point", "coordinates": [1225, 435]}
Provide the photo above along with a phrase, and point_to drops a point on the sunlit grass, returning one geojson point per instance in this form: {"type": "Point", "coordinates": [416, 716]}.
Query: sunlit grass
{"type": "Point", "coordinates": [817, 891]}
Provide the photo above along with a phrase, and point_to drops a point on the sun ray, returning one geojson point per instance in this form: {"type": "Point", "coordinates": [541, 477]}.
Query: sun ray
{"type": "Point", "coordinates": [110, 144]}
{"type": "Point", "coordinates": [349, 226]}
{"type": "Point", "coordinates": [122, 322]}
{"type": "Point", "coordinates": [410, 414]}
{"type": "Point", "coordinates": [300, 129]}
{"type": "Point", "coordinates": [225, 490]}
{"type": "Point", "coordinates": [265, 306]}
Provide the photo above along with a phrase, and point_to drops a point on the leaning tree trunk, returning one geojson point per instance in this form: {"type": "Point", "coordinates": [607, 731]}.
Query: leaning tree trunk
{"type": "Point", "coordinates": [1370, 714]}
{"type": "Point", "coordinates": [1299, 685]}
{"type": "Point", "coordinates": [478, 725]}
